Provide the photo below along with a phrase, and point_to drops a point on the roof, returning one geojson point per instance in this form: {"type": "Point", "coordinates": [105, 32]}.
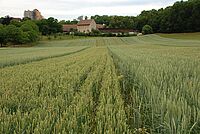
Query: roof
{"type": "Point", "coordinates": [100, 26]}
{"type": "Point", "coordinates": [85, 22]}
{"type": "Point", "coordinates": [16, 19]}
{"type": "Point", "coordinates": [68, 27]}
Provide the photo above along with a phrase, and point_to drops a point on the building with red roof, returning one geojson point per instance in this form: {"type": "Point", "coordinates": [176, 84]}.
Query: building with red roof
{"type": "Point", "coordinates": [86, 26]}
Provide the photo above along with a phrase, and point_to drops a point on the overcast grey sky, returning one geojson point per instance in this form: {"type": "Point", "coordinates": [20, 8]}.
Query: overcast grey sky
{"type": "Point", "coordinates": [69, 9]}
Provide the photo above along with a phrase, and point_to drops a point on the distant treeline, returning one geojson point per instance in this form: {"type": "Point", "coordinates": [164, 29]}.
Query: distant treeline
{"type": "Point", "coordinates": [18, 33]}
{"type": "Point", "coordinates": [15, 31]}
{"type": "Point", "coordinates": [183, 16]}
{"type": "Point", "coordinates": [46, 26]}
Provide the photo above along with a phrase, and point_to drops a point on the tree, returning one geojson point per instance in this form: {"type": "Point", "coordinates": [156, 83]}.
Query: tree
{"type": "Point", "coordinates": [27, 33]}
{"type": "Point", "coordinates": [19, 32]}
{"type": "Point", "coordinates": [54, 26]}
{"type": "Point", "coordinates": [32, 25]}
{"type": "Point", "coordinates": [1, 20]}
{"type": "Point", "coordinates": [15, 22]}
{"type": "Point", "coordinates": [95, 32]}
{"type": "Point", "coordinates": [62, 22]}
{"type": "Point", "coordinates": [74, 21]}
{"type": "Point", "coordinates": [24, 38]}
{"type": "Point", "coordinates": [26, 18]}
{"type": "Point", "coordinates": [6, 20]}
{"type": "Point", "coordinates": [2, 35]}
{"type": "Point", "coordinates": [105, 19]}
{"type": "Point", "coordinates": [14, 34]}
{"type": "Point", "coordinates": [147, 30]}
{"type": "Point", "coordinates": [49, 26]}
{"type": "Point", "coordinates": [31, 31]}
{"type": "Point", "coordinates": [43, 27]}
{"type": "Point", "coordinates": [80, 18]}
{"type": "Point", "coordinates": [183, 16]}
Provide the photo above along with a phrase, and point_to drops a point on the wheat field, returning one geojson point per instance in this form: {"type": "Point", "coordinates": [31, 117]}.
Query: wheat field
{"type": "Point", "coordinates": [137, 85]}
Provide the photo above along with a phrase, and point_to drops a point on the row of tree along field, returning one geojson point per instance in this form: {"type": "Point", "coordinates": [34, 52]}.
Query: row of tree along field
{"type": "Point", "coordinates": [27, 31]}
{"type": "Point", "coordinates": [183, 16]}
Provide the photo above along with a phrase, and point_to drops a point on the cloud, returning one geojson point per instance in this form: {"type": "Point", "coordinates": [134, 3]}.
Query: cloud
{"type": "Point", "coordinates": [68, 9]}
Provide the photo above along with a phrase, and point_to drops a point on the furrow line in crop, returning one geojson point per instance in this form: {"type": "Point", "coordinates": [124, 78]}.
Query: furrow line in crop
{"type": "Point", "coordinates": [126, 93]}
{"type": "Point", "coordinates": [96, 93]}
{"type": "Point", "coordinates": [164, 92]}
{"type": "Point", "coordinates": [44, 107]}
{"type": "Point", "coordinates": [41, 58]}
{"type": "Point", "coordinates": [80, 113]}
{"type": "Point", "coordinates": [110, 115]}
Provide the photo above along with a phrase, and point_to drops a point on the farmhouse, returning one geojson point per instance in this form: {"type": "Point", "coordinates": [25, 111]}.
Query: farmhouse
{"type": "Point", "coordinates": [86, 26]}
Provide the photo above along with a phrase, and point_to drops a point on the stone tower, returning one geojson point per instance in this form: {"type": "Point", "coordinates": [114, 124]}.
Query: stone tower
{"type": "Point", "coordinates": [29, 14]}
{"type": "Point", "coordinates": [37, 15]}
{"type": "Point", "coordinates": [33, 15]}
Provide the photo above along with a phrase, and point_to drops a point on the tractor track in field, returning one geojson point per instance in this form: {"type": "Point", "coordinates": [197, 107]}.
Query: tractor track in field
{"type": "Point", "coordinates": [126, 86]}
{"type": "Point", "coordinates": [82, 78]}
{"type": "Point", "coordinates": [126, 94]}
{"type": "Point", "coordinates": [96, 93]}
{"type": "Point", "coordinates": [42, 58]}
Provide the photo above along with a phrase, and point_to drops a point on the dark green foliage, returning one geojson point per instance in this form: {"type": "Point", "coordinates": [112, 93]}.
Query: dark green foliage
{"type": "Point", "coordinates": [14, 34]}
{"type": "Point", "coordinates": [15, 22]}
{"type": "Point", "coordinates": [6, 20]}
{"type": "Point", "coordinates": [49, 26]}
{"type": "Point", "coordinates": [2, 35]}
{"type": "Point", "coordinates": [183, 16]}
{"type": "Point", "coordinates": [80, 34]}
{"type": "Point", "coordinates": [31, 30]}
{"type": "Point", "coordinates": [147, 17]}
{"type": "Point", "coordinates": [115, 21]}
{"type": "Point", "coordinates": [1, 19]}
{"type": "Point", "coordinates": [31, 24]}
{"type": "Point", "coordinates": [147, 30]}
{"type": "Point", "coordinates": [95, 33]}
{"type": "Point", "coordinates": [19, 33]}
{"type": "Point", "coordinates": [26, 18]}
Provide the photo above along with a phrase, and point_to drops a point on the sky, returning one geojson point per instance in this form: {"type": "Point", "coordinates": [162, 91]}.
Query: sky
{"type": "Point", "coordinates": [71, 9]}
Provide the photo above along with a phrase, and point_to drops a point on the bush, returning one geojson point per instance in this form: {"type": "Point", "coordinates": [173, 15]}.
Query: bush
{"type": "Point", "coordinates": [31, 29]}
{"type": "Point", "coordinates": [14, 34]}
{"type": "Point", "coordinates": [49, 37]}
{"type": "Point", "coordinates": [49, 26]}
{"type": "Point", "coordinates": [125, 35]}
{"type": "Point", "coordinates": [79, 34]}
{"type": "Point", "coordinates": [33, 36]}
{"type": "Point", "coordinates": [147, 30]}
{"type": "Point", "coordinates": [28, 32]}
{"type": "Point", "coordinates": [108, 35]}
{"type": "Point", "coordinates": [95, 33]}
{"type": "Point", "coordinates": [24, 38]}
